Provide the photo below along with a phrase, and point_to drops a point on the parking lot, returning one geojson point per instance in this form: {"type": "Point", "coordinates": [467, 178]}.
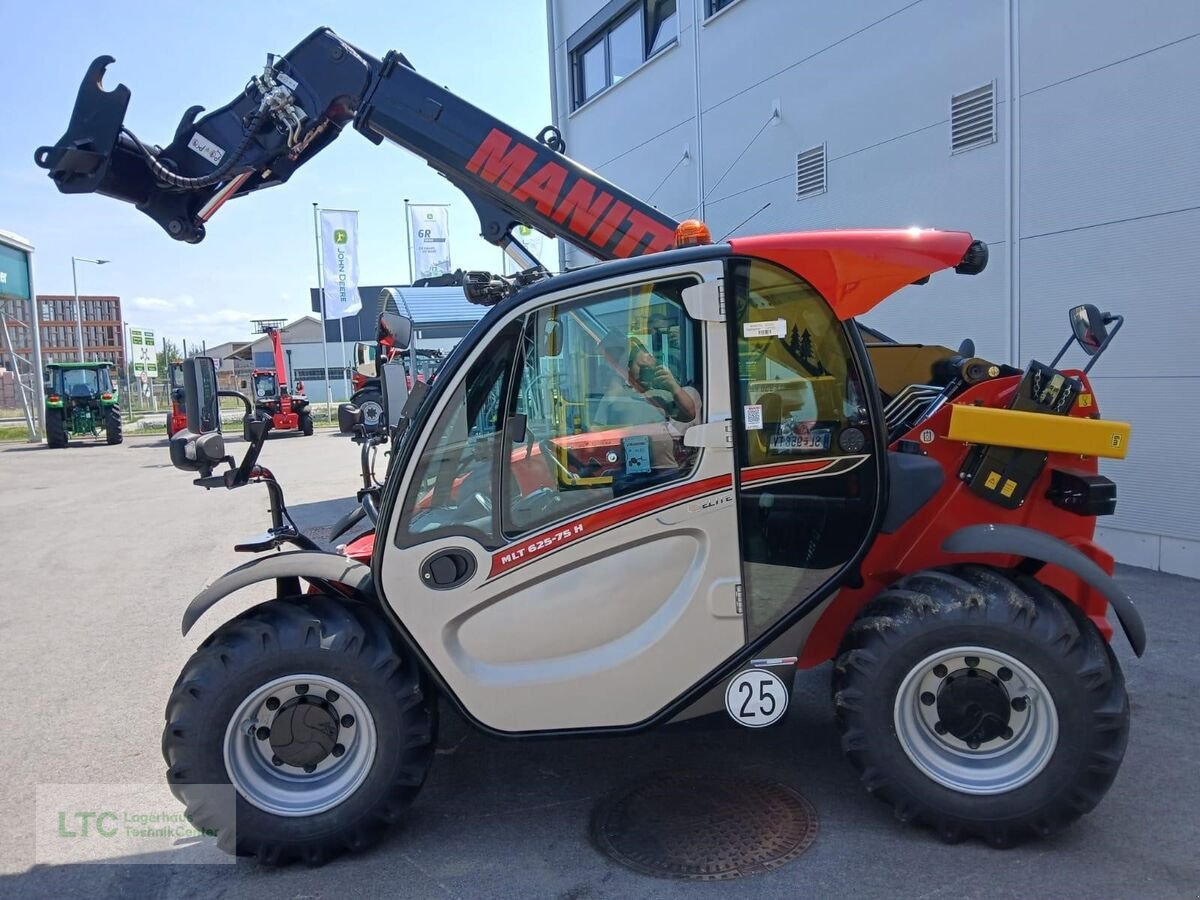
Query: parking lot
{"type": "Point", "coordinates": [103, 547]}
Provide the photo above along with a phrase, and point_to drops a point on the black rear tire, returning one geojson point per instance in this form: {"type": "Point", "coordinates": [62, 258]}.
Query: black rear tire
{"type": "Point", "coordinates": [316, 636]}
{"type": "Point", "coordinates": [56, 429]}
{"type": "Point", "coordinates": [114, 428]}
{"type": "Point", "coordinates": [1015, 617]}
{"type": "Point", "coordinates": [370, 401]}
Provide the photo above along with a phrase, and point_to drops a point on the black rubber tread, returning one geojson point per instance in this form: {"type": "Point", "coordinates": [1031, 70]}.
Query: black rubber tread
{"type": "Point", "coordinates": [373, 394]}
{"type": "Point", "coordinates": [306, 423]}
{"type": "Point", "coordinates": [114, 428]}
{"type": "Point", "coordinates": [1014, 614]}
{"type": "Point", "coordinates": [319, 634]}
{"type": "Point", "coordinates": [56, 429]}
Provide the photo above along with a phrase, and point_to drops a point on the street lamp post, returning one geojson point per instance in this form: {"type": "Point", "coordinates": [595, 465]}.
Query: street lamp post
{"type": "Point", "coordinates": [78, 305]}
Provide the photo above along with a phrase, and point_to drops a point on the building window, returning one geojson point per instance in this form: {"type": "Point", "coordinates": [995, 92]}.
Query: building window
{"type": "Point", "coordinates": [629, 38]}
{"type": "Point", "coordinates": [715, 6]}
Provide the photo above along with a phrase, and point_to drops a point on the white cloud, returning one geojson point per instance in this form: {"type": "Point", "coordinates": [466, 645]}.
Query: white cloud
{"type": "Point", "coordinates": [184, 301]}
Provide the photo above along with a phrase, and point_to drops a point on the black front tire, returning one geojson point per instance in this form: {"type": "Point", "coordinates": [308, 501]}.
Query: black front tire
{"type": "Point", "coordinates": [114, 428]}
{"type": "Point", "coordinates": [56, 429]}
{"type": "Point", "coordinates": [370, 401]}
{"type": "Point", "coordinates": [313, 635]}
{"type": "Point", "coordinates": [1016, 617]}
{"type": "Point", "coordinates": [306, 423]}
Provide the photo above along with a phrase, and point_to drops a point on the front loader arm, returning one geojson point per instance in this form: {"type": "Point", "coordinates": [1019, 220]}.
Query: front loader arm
{"type": "Point", "coordinates": [298, 105]}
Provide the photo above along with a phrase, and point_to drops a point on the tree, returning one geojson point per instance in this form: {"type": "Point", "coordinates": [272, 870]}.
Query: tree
{"type": "Point", "coordinates": [168, 353]}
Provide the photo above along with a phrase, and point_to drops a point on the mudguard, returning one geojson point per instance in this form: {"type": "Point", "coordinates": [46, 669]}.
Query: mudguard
{"type": "Point", "coordinates": [1016, 540]}
{"type": "Point", "coordinates": [293, 564]}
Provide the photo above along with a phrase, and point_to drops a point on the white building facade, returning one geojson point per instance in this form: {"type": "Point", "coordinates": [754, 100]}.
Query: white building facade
{"type": "Point", "coordinates": [1064, 133]}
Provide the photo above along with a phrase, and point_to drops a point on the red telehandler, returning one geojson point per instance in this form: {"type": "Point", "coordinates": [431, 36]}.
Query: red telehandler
{"type": "Point", "coordinates": [288, 410]}
{"type": "Point", "coordinates": [639, 492]}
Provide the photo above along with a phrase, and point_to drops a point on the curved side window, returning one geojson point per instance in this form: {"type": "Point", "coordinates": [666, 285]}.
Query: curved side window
{"type": "Point", "coordinates": [456, 476]}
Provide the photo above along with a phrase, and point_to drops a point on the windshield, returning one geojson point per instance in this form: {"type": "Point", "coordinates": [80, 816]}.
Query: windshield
{"type": "Point", "coordinates": [264, 385]}
{"type": "Point", "coordinates": [94, 380]}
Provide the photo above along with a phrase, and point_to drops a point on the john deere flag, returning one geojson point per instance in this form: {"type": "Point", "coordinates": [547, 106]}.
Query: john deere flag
{"type": "Point", "coordinates": [339, 257]}
{"type": "Point", "coordinates": [431, 240]}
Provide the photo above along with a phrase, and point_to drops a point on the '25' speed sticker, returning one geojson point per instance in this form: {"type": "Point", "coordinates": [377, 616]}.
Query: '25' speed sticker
{"type": "Point", "coordinates": [756, 698]}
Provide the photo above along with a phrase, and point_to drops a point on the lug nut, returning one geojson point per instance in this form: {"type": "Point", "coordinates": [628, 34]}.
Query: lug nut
{"type": "Point", "coordinates": [1007, 734]}
{"type": "Point", "coordinates": [971, 661]}
{"type": "Point", "coordinates": [276, 761]}
{"type": "Point", "coordinates": [302, 689]}
{"type": "Point", "coordinates": [310, 768]}
{"type": "Point", "coordinates": [263, 732]}
{"type": "Point", "coordinates": [347, 721]}
{"type": "Point", "coordinates": [973, 744]}
{"type": "Point", "coordinates": [1019, 703]}
{"type": "Point", "coordinates": [939, 728]}
{"type": "Point", "coordinates": [1004, 673]}
{"type": "Point", "coordinates": [338, 750]}
{"type": "Point", "coordinates": [332, 696]}
{"type": "Point", "coordinates": [928, 699]}
{"type": "Point", "coordinates": [939, 670]}
{"type": "Point", "coordinates": [272, 703]}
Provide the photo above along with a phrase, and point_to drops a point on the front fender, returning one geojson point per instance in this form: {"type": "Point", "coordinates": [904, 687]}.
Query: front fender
{"type": "Point", "coordinates": [1016, 540]}
{"type": "Point", "coordinates": [309, 564]}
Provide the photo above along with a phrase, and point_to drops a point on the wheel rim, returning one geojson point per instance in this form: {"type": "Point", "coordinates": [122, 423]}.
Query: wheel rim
{"type": "Point", "coordinates": [299, 745]}
{"type": "Point", "coordinates": [372, 412]}
{"type": "Point", "coordinates": [976, 720]}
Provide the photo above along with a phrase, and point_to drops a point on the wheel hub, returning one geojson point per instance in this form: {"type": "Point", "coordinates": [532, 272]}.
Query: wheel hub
{"type": "Point", "coordinates": [304, 731]}
{"type": "Point", "coordinates": [974, 707]}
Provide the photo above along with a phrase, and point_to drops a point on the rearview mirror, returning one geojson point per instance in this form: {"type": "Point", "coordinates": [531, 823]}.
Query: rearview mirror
{"type": "Point", "coordinates": [200, 395]}
{"type": "Point", "coordinates": [394, 382]}
{"type": "Point", "coordinates": [1090, 328]}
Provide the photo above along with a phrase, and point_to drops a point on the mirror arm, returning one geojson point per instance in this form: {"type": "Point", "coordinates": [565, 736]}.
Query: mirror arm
{"type": "Point", "coordinates": [1062, 352]}
{"type": "Point", "coordinates": [239, 396]}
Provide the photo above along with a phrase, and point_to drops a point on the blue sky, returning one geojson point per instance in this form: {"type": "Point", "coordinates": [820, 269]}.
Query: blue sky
{"type": "Point", "coordinates": [258, 259]}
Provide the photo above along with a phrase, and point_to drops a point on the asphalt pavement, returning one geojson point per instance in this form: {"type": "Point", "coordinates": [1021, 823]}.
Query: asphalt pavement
{"type": "Point", "coordinates": [102, 547]}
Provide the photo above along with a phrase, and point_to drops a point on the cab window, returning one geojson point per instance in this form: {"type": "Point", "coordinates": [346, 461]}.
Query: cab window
{"type": "Point", "coordinates": [608, 385]}
{"type": "Point", "coordinates": [453, 485]}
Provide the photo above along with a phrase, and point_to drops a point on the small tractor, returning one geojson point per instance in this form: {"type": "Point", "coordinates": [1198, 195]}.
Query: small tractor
{"type": "Point", "coordinates": [287, 410]}
{"type": "Point", "coordinates": [177, 414]}
{"type": "Point", "coordinates": [643, 491]}
{"type": "Point", "coordinates": [82, 401]}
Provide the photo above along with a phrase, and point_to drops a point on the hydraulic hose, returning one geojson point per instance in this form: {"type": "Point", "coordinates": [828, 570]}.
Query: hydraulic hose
{"type": "Point", "coordinates": [169, 178]}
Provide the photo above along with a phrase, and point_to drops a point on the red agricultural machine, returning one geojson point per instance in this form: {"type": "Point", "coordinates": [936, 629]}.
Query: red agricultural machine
{"type": "Point", "coordinates": [287, 409]}
{"type": "Point", "coordinates": [641, 492]}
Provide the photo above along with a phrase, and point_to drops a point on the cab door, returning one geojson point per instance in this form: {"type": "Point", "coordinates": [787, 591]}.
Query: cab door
{"type": "Point", "coordinates": [807, 454]}
{"type": "Point", "coordinates": [562, 544]}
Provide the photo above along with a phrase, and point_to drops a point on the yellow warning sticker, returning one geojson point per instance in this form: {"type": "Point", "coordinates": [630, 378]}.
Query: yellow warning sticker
{"type": "Point", "coordinates": [1085, 400]}
{"type": "Point", "coordinates": [993, 479]}
{"type": "Point", "coordinates": [1116, 440]}
{"type": "Point", "coordinates": [1009, 487]}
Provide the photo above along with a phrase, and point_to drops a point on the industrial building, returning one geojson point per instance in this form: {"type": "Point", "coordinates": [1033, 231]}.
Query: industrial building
{"type": "Point", "coordinates": [1061, 132]}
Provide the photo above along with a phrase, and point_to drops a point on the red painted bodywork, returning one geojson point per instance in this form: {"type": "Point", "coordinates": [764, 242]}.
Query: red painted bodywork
{"type": "Point", "coordinates": [918, 543]}
{"type": "Point", "coordinates": [283, 416]}
{"type": "Point", "coordinates": [855, 270]}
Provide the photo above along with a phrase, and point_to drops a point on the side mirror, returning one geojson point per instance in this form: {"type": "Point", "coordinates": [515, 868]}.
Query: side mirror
{"type": "Point", "coordinates": [349, 417]}
{"type": "Point", "coordinates": [399, 327]}
{"type": "Point", "coordinates": [200, 396]}
{"type": "Point", "coordinates": [1090, 327]}
{"type": "Point", "coordinates": [394, 382]}
{"type": "Point", "coordinates": [197, 453]}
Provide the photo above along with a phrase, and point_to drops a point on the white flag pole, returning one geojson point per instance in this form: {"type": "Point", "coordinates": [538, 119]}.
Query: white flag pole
{"type": "Point", "coordinates": [321, 292]}
{"type": "Point", "coordinates": [408, 240]}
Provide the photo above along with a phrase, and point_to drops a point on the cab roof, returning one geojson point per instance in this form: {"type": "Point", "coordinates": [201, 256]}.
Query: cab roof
{"type": "Point", "coordinates": [95, 364]}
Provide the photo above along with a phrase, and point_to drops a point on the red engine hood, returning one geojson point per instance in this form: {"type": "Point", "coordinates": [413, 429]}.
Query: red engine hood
{"type": "Point", "coordinates": [854, 270]}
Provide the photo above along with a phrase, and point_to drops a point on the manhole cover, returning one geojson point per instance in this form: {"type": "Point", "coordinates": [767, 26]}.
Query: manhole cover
{"type": "Point", "coordinates": [704, 827]}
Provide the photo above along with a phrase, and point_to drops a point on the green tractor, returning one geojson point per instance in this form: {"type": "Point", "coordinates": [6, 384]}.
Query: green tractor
{"type": "Point", "coordinates": [81, 400]}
